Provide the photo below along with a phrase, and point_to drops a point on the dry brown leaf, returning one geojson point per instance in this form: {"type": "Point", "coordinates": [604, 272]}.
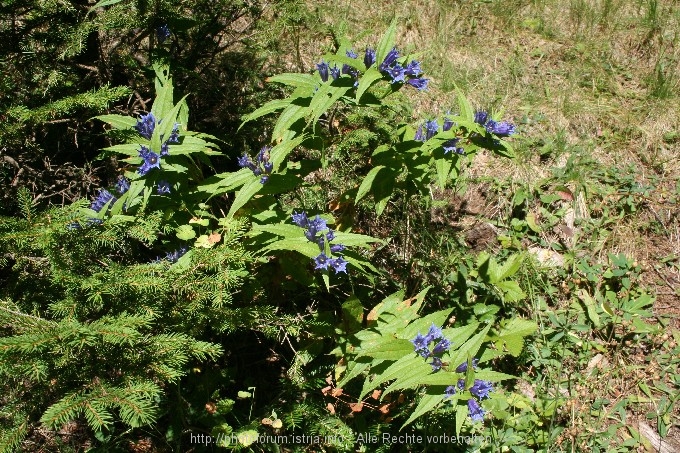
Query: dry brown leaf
{"type": "Point", "coordinates": [356, 407]}
{"type": "Point", "coordinates": [336, 392]}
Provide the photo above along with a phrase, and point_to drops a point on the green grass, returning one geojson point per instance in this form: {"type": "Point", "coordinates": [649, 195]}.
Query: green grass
{"type": "Point", "coordinates": [593, 86]}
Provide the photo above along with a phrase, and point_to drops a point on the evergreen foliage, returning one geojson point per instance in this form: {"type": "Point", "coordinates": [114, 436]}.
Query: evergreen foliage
{"type": "Point", "coordinates": [89, 330]}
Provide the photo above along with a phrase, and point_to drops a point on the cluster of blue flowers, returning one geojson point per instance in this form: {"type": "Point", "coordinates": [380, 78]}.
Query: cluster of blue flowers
{"type": "Point", "coordinates": [430, 128]}
{"type": "Point", "coordinates": [162, 33]}
{"type": "Point", "coordinates": [262, 167]}
{"type": "Point", "coordinates": [145, 126]}
{"type": "Point", "coordinates": [497, 128]}
{"type": "Point", "coordinates": [421, 343]}
{"type": "Point", "coordinates": [318, 232]}
{"type": "Point", "coordinates": [174, 256]}
{"type": "Point", "coordinates": [409, 74]}
{"type": "Point", "coordinates": [479, 389]}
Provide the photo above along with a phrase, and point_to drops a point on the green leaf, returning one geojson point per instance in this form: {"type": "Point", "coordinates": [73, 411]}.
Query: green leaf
{"type": "Point", "coordinates": [367, 80]}
{"type": "Point", "coordinates": [226, 182]}
{"type": "Point", "coordinates": [386, 42]}
{"type": "Point", "coordinates": [511, 335]}
{"type": "Point", "coordinates": [389, 348]}
{"type": "Point", "coordinates": [354, 240]}
{"type": "Point", "coordinates": [167, 122]}
{"type": "Point", "coordinates": [279, 152]}
{"type": "Point", "coordinates": [510, 267]}
{"type": "Point", "coordinates": [356, 370]}
{"type": "Point", "coordinates": [130, 149]}
{"type": "Point", "coordinates": [423, 324]}
{"type": "Point", "coordinates": [591, 307]}
{"type": "Point", "coordinates": [511, 291]}
{"type": "Point", "coordinates": [324, 98]}
{"type": "Point", "coordinates": [406, 364]}
{"type": "Point", "coordinates": [432, 398]}
{"type": "Point", "coordinates": [185, 232]}
{"type": "Point", "coordinates": [102, 3]}
{"type": "Point", "coordinates": [295, 80]}
{"type": "Point", "coordinates": [470, 348]}
{"type": "Point", "coordinates": [118, 121]}
{"type": "Point", "coordinates": [269, 107]}
{"type": "Point", "coordinates": [288, 117]}
{"type": "Point", "coordinates": [461, 415]}
{"type": "Point", "coordinates": [287, 231]}
{"type": "Point", "coordinates": [366, 184]}
{"type": "Point", "coordinates": [300, 245]}
{"type": "Point", "coordinates": [244, 195]}
{"type": "Point", "coordinates": [443, 167]}
{"type": "Point", "coordinates": [164, 92]}
{"type": "Point", "coordinates": [466, 110]}
{"type": "Point", "coordinates": [493, 376]}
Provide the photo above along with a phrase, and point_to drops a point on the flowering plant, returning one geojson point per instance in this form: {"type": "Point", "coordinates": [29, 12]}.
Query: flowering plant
{"type": "Point", "coordinates": [393, 353]}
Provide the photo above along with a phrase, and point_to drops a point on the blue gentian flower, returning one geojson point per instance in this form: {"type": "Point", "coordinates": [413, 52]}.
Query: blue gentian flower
{"type": "Point", "coordinates": [413, 68]}
{"type": "Point", "coordinates": [300, 219]}
{"type": "Point", "coordinates": [450, 145]}
{"type": "Point", "coordinates": [435, 333]}
{"type": "Point", "coordinates": [462, 368]}
{"type": "Point", "coordinates": [163, 187]}
{"type": "Point", "coordinates": [317, 231]}
{"type": "Point", "coordinates": [461, 385]}
{"type": "Point", "coordinates": [481, 117]}
{"type": "Point", "coordinates": [475, 410]}
{"type": "Point", "coordinates": [436, 364]}
{"type": "Point", "coordinates": [389, 60]}
{"type": "Point", "coordinates": [177, 254]}
{"type": "Point", "coordinates": [441, 347]}
{"type": "Point", "coordinates": [245, 161]}
{"type": "Point", "coordinates": [397, 73]}
{"type": "Point", "coordinates": [174, 135]}
{"type": "Point", "coordinates": [420, 344]}
{"type": "Point", "coordinates": [151, 160]}
{"type": "Point", "coordinates": [323, 70]}
{"type": "Point", "coordinates": [347, 69]}
{"type": "Point", "coordinates": [122, 185]}
{"type": "Point", "coordinates": [339, 264]}
{"type": "Point", "coordinates": [165, 149]}
{"type": "Point", "coordinates": [321, 261]}
{"type": "Point", "coordinates": [337, 248]}
{"type": "Point", "coordinates": [369, 58]}
{"type": "Point", "coordinates": [335, 72]}
{"type": "Point", "coordinates": [420, 84]}
{"type": "Point", "coordinates": [419, 137]}
{"type": "Point", "coordinates": [448, 124]}
{"type": "Point", "coordinates": [481, 388]}
{"type": "Point", "coordinates": [103, 197]}
{"type": "Point", "coordinates": [263, 167]}
{"type": "Point", "coordinates": [146, 125]}
{"type": "Point", "coordinates": [431, 129]}
{"type": "Point", "coordinates": [163, 33]}
{"type": "Point", "coordinates": [450, 391]}
{"type": "Point", "coordinates": [316, 225]}
{"type": "Point", "coordinates": [500, 129]}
